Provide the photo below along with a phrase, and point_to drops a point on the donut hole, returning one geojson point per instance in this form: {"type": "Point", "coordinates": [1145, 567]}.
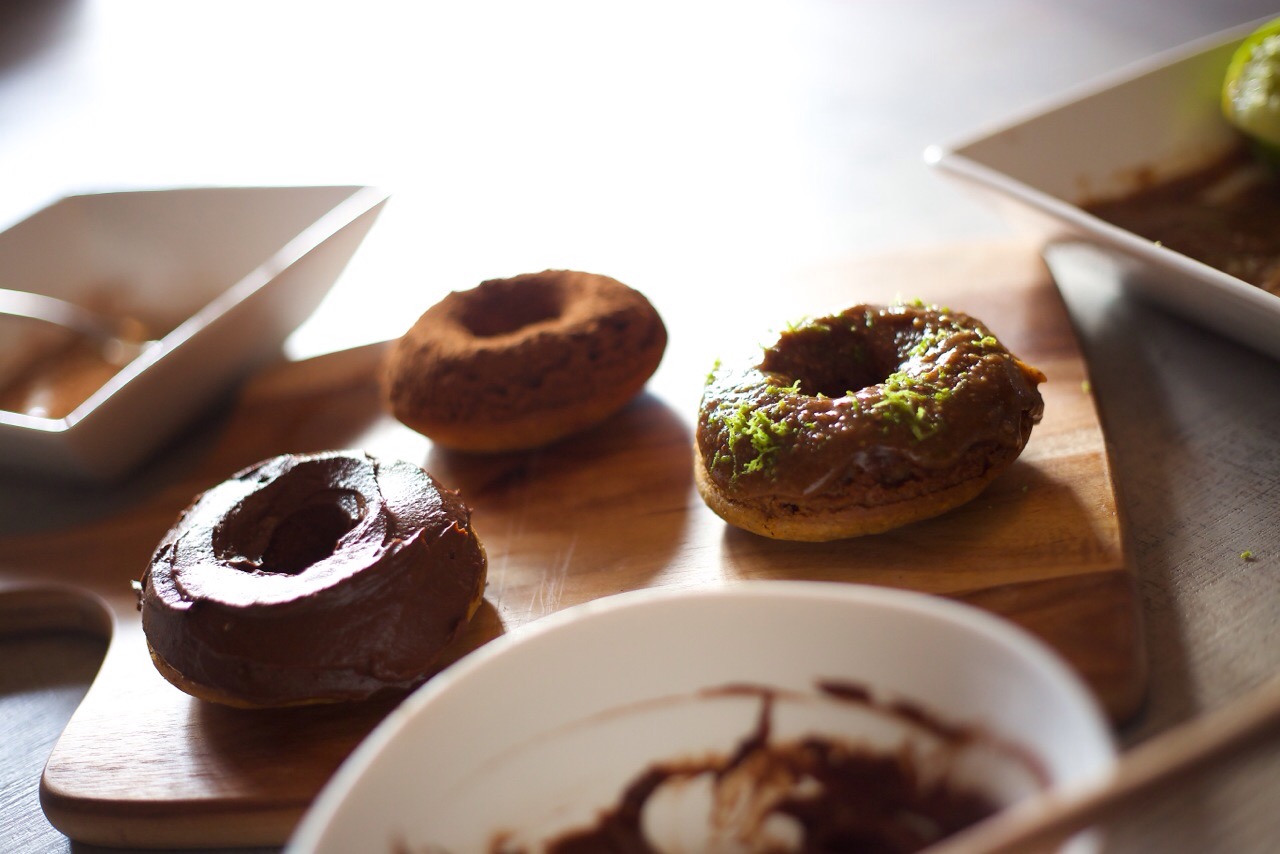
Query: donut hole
{"type": "Point", "coordinates": [504, 306]}
{"type": "Point", "coordinates": [831, 382]}
{"type": "Point", "coordinates": [300, 536]}
{"type": "Point", "coordinates": [826, 362]}
{"type": "Point", "coordinates": [305, 537]}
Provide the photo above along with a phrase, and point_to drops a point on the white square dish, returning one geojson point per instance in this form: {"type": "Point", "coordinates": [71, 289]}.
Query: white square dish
{"type": "Point", "coordinates": [1145, 124]}
{"type": "Point", "coordinates": [224, 274]}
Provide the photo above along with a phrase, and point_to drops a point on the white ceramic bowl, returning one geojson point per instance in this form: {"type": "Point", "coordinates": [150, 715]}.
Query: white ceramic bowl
{"type": "Point", "coordinates": [1158, 119]}
{"type": "Point", "coordinates": [224, 273]}
{"type": "Point", "coordinates": [536, 732]}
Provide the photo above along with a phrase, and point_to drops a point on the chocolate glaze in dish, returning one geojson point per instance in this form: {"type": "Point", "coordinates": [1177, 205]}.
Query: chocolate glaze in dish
{"type": "Point", "coordinates": [838, 796]}
{"type": "Point", "coordinates": [1224, 214]}
{"type": "Point", "coordinates": [309, 578]}
{"type": "Point", "coordinates": [870, 408]}
{"type": "Point", "coordinates": [58, 382]}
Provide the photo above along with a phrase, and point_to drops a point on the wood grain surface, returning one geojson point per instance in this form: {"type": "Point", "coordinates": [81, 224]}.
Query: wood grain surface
{"type": "Point", "coordinates": [613, 509]}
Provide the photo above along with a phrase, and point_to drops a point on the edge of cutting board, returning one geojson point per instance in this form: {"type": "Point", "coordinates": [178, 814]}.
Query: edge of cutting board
{"type": "Point", "coordinates": [1044, 547]}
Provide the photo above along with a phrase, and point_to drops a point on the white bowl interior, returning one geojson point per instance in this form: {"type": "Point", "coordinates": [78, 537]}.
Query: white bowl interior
{"type": "Point", "coordinates": [535, 733]}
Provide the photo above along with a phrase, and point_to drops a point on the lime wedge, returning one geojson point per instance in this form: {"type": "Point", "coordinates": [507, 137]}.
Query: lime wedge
{"type": "Point", "coordinates": [1251, 90]}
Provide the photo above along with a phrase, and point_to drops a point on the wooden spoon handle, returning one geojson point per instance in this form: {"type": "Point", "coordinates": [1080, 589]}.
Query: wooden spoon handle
{"type": "Point", "coordinates": [1057, 814]}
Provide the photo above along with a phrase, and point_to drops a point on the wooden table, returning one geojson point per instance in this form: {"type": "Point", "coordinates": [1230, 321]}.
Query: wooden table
{"type": "Point", "coordinates": [729, 146]}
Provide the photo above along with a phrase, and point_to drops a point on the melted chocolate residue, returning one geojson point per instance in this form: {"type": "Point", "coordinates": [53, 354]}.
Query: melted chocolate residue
{"type": "Point", "coordinates": [1223, 214]}
{"type": "Point", "coordinates": [863, 801]}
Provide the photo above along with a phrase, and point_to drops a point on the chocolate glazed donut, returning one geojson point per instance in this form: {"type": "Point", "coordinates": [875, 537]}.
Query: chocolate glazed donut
{"type": "Point", "coordinates": [861, 422]}
{"type": "Point", "coordinates": [313, 578]}
{"type": "Point", "coordinates": [516, 363]}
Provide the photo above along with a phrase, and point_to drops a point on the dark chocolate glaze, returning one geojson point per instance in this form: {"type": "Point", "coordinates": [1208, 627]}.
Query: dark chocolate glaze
{"type": "Point", "coordinates": [868, 406]}
{"type": "Point", "coordinates": [319, 577]}
{"type": "Point", "coordinates": [1223, 214]}
{"type": "Point", "coordinates": [852, 800]}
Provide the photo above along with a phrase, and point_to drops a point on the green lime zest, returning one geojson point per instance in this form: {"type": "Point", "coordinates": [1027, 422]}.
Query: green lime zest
{"type": "Point", "coordinates": [905, 400]}
{"type": "Point", "coordinates": [761, 430]}
{"type": "Point", "coordinates": [711, 374]}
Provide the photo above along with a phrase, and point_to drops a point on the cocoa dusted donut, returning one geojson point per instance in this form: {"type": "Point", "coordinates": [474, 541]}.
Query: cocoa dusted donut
{"type": "Point", "coordinates": [517, 363]}
{"type": "Point", "coordinates": [861, 422]}
{"type": "Point", "coordinates": [313, 578]}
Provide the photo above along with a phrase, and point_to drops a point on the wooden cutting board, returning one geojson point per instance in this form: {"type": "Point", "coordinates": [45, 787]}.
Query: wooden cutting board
{"type": "Point", "coordinates": [140, 763]}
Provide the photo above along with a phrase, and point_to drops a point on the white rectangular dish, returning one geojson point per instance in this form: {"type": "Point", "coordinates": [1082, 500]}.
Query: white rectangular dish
{"type": "Point", "coordinates": [223, 273]}
{"type": "Point", "coordinates": [1147, 123]}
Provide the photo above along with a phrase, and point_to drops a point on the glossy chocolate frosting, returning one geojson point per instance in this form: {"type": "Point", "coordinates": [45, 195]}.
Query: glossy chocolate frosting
{"type": "Point", "coordinates": [319, 577]}
{"type": "Point", "coordinates": [874, 404]}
